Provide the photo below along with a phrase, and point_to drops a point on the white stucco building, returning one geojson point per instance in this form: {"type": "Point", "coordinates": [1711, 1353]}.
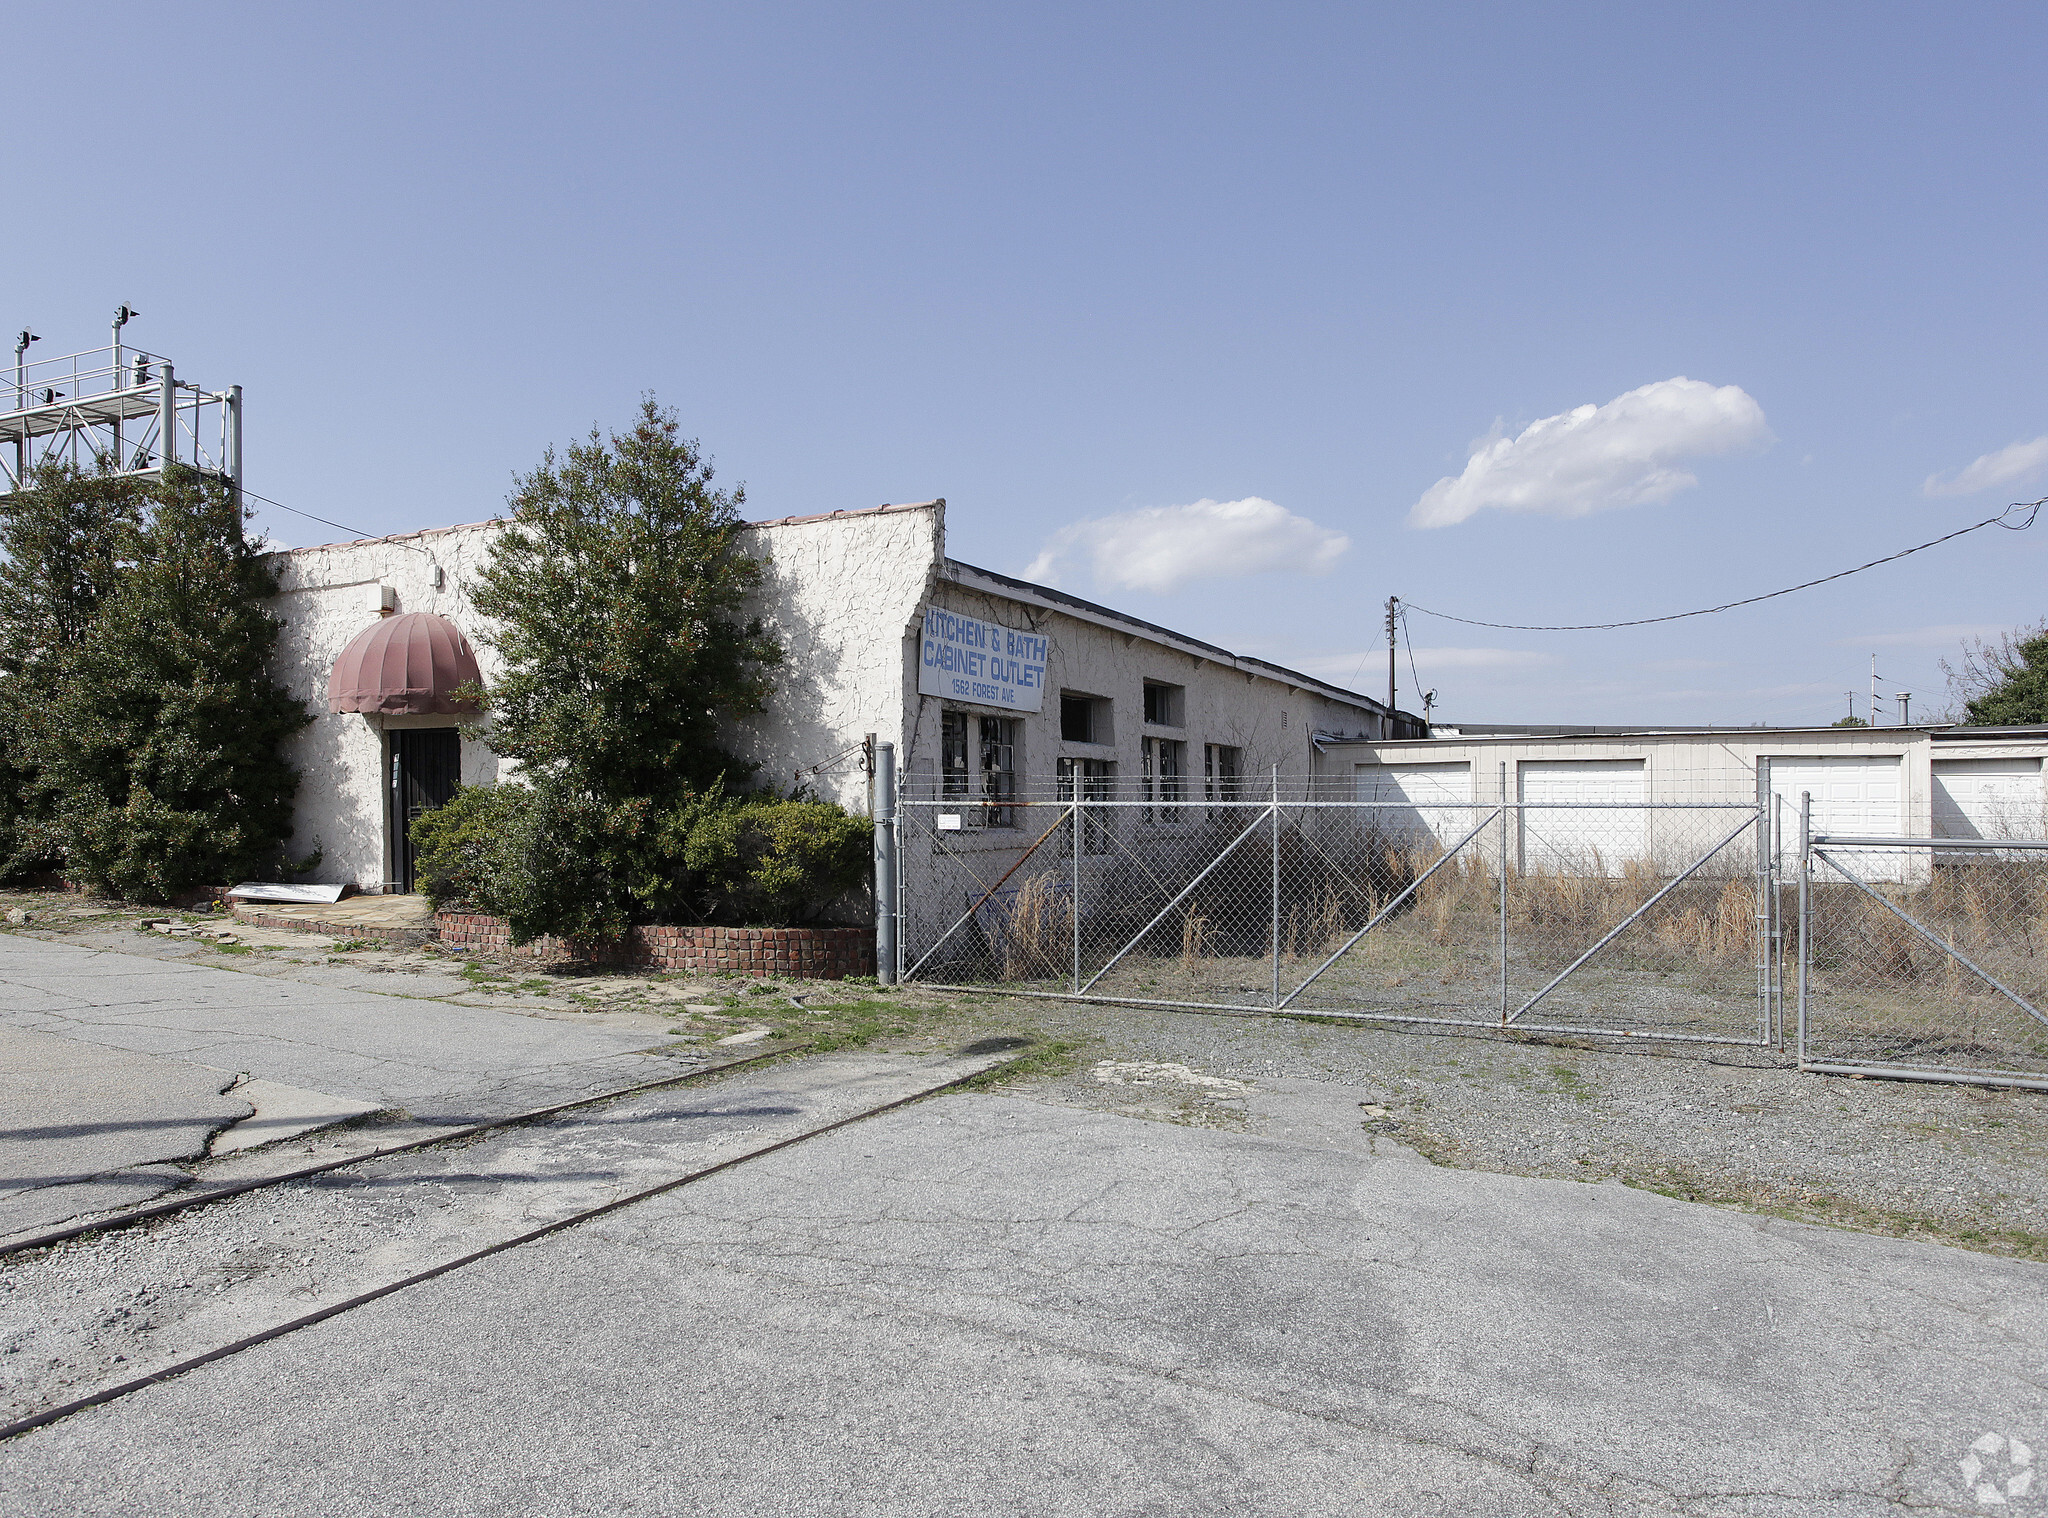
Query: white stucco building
{"type": "Point", "coordinates": [988, 686]}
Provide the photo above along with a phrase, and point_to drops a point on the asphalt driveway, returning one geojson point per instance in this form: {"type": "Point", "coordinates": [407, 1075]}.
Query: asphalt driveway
{"type": "Point", "coordinates": [987, 1304]}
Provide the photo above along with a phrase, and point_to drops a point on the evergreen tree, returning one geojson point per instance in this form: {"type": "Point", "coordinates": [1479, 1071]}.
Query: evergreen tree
{"type": "Point", "coordinates": [618, 587]}
{"type": "Point", "coordinates": [618, 590]}
{"type": "Point", "coordinates": [61, 541]}
{"type": "Point", "coordinates": [2020, 695]}
{"type": "Point", "coordinates": [157, 756]}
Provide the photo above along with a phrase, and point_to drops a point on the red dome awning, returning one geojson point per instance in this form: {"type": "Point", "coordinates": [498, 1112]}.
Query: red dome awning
{"type": "Point", "coordinates": [404, 666]}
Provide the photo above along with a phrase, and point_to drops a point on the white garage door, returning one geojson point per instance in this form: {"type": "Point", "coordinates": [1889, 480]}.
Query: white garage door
{"type": "Point", "coordinates": [1418, 804]}
{"type": "Point", "coordinates": [1987, 798]}
{"type": "Point", "coordinates": [1851, 796]}
{"type": "Point", "coordinates": [1582, 816]}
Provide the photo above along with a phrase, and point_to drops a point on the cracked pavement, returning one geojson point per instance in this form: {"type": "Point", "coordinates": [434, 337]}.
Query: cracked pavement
{"type": "Point", "coordinates": [1200, 1267]}
{"type": "Point", "coordinates": [104, 1309]}
{"type": "Point", "coordinates": [985, 1303]}
{"type": "Point", "coordinates": [144, 1048]}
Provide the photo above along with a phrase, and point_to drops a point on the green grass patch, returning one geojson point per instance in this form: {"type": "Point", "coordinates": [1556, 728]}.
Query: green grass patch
{"type": "Point", "coordinates": [1571, 1083]}
{"type": "Point", "coordinates": [851, 1025]}
{"type": "Point", "coordinates": [1042, 1061]}
{"type": "Point", "coordinates": [1684, 1184]}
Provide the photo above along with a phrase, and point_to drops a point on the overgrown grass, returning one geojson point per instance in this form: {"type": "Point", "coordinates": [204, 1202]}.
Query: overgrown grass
{"type": "Point", "coordinates": [1687, 1184]}
{"type": "Point", "coordinates": [847, 1025]}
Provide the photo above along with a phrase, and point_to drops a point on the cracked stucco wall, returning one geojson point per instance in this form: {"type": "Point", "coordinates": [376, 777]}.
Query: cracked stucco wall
{"type": "Point", "coordinates": [839, 592]}
{"type": "Point", "coordinates": [845, 594]}
{"type": "Point", "coordinates": [1225, 700]}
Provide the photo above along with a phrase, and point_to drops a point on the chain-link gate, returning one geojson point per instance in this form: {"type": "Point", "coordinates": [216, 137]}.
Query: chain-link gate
{"type": "Point", "coordinates": [1616, 920]}
{"type": "Point", "coordinates": [1924, 958]}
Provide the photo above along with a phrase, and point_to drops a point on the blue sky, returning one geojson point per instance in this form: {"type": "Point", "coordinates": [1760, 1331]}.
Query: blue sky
{"type": "Point", "coordinates": [1080, 269]}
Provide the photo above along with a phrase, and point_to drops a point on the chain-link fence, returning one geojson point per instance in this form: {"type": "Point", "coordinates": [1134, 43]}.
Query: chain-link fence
{"type": "Point", "coordinates": [1925, 958]}
{"type": "Point", "coordinates": [1617, 919]}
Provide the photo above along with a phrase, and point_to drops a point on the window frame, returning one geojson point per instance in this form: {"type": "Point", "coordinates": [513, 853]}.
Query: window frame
{"type": "Point", "coordinates": [1218, 786]}
{"type": "Point", "coordinates": [1165, 704]}
{"type": "Point", "coordinates": [1097, 779]}
{"type": "Point", "coordinates": [1164, 779]}
{"type": "Point", "coordinates": [1101, 718]}
{"type": "Point", "coordinates": [997, 783]}
{"type": "Point", "coordinates": [955, 780]}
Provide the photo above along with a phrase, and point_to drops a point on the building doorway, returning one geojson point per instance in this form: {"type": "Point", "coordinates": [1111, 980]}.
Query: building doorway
{"type": "Point", "coordinates": [426, 767]}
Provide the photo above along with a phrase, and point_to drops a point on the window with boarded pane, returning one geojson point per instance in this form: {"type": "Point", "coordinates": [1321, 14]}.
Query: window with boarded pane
{"type": "Point", "coordinates": [1165, 787]}
{"type": "Point", "coordinates": [953, 754]}
{"type": "Point", "coordinates": [1220, 768]}
{"type": "Point", "coordinates": [999, 742]}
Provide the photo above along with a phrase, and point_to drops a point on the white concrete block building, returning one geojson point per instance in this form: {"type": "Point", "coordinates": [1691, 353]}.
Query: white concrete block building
{"type": "Point", "coordinates": [1918, 782]}
{"type": "Point", "coordinates": [991, 688]}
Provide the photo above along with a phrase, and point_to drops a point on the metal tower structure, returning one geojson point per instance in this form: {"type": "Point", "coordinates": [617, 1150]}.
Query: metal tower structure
{"type": "Point", "coordinates": [120, 404]}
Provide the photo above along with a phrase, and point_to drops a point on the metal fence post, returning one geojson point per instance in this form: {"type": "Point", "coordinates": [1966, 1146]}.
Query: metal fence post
{"type": "Point", "coordinates": [888, 883]}
{"type": "Point", "coordinates": [1080, 842]}
{"type": "Point", "coordinates": [1766, 899]}
{"type": "Point", "coordinates": [1805, 910]}
{"type": "Point", "coordinates": [1276, 885]}
{"type": "Point", "coordinates": [1503, 893]}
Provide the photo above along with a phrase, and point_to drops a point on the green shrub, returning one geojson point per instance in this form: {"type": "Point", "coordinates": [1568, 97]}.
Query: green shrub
{"type": "Point", "coordinates": [551, 861]}
{"type": "Point", "coordinates": [767, 862]}
{"type": "Point", "coordinates": [544, 859]}
{"type": "Point", "coordinates": [453, 845]}
{"type": "Point", "coordinates": [562, 864]}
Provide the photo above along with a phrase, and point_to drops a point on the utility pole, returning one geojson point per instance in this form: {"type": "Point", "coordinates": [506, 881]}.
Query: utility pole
{"type": "Point", "coordinates": [1873, 690]}
{"type": "Point", "coordinates": [1393, 602]}
{"type": "Point", "coordinates": [122, 316]}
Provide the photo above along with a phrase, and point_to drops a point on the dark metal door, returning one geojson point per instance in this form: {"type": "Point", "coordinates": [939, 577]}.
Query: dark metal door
{"type": "Point", "coordinates": [426, 766]}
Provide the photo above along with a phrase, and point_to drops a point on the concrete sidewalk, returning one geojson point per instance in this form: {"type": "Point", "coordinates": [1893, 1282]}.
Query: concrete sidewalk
{"type": "Point", "coordinates": [989, 1305]}
{"type": "Point", "coordinates": [133, 1053]}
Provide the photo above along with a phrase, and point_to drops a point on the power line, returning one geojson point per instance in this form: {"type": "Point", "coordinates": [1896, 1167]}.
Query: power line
{"type": "Point", "coordinates": [324, 522]}
{"type": "Point", "coordinates": [2031, 508]}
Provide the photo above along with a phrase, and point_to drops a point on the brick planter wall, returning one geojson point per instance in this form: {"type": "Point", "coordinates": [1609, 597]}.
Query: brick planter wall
{"type": "Point", "coordinates": [784, 953]}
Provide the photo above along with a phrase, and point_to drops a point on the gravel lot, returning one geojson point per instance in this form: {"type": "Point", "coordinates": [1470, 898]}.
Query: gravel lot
{"type": "Point", "coordinates": [1960, 1165]}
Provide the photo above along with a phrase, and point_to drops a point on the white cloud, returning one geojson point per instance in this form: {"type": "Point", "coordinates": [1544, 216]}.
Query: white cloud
{"type": "Point", "coordinates": [1922, 637]}
{"type": "Point", "coordinates": [1161, 548]}
{"type": "Point", "coordinates": [1594, 458]}
{"type": "Point", "coordinates": [1345, 668]}
{"type": "Point", "coordinates": [1479, 658]}
{"type": "Point", "coordinates": [2008, 466]}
